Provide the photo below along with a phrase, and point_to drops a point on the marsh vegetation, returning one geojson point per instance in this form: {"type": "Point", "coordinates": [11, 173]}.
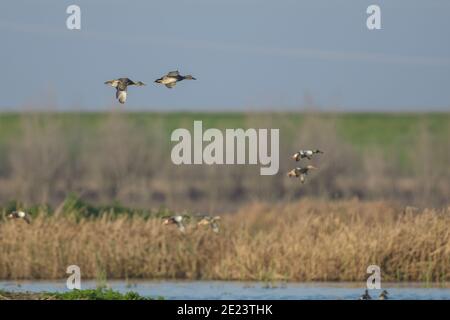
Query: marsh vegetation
{"type": "Point", "coordinates": [96, 186]}
{"type": "Point", "coordinates": [307, 240]}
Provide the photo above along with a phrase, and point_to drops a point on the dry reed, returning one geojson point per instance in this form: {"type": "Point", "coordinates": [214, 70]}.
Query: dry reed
{"type": "Point", "coordinates": [307, 240]}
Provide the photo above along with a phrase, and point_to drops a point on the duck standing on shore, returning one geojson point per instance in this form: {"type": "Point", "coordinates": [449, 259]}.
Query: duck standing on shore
{"type": "Point", "coordinates": [171, 79]}
{"type": "Point", "coordinates": [20, 215]}
{"type": "Point", "coordinates": [301, 172]}
{"type": "Point", "coordinates": [121, 86]}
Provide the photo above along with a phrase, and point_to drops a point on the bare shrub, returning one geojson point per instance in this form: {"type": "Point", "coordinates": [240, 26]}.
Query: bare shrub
{"type": "Point", "coordinates": [38, 160]}
{"type": "Point", "coordinates": [119, 157]}
{"type": "Point", "coordinates": [121, 160]}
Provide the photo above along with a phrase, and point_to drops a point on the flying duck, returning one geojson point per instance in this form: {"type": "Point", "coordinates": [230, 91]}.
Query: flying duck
{"type": "Point", "coordinates": [211, 221]}
{"type": "Point", "coordinates": [20, 215]}
{"type": "Point", "coordinates": [365, 296]}
{"type": "Point", "coordinates": [300, 172]}
{"type": "Point", "coordinates": [121, 86]}
{"type": "Point", "coordinates": [171, 79]}
{"type": "Point", "coordinates": [305, 154]}
{"type": "Point", "coordinates": [177, 220]}
{"type": "Point", "coordinates": [383, 295]}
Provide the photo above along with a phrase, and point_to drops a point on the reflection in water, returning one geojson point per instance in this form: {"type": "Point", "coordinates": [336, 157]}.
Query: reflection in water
{"type": "Point", "coordinates": [244, 290]}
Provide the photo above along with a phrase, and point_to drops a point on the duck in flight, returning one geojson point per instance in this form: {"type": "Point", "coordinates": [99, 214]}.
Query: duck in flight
{"type": "Point", "coordinates": [171, 79]}
{"type": "Point", "coordinates": [177, 220]}
{"type": "Point", "coordinates": [211, 221]}
{"type": "Point", "coordinates": [121, 86]}
{"type": "Point", "coordinates": [305, 154]}
{"type": "Point", "coordinates": [20, 215]}
{"type": "Point", "coordinates": [301, 172]}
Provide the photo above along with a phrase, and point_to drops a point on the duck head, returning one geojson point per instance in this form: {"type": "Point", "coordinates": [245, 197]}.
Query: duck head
{"type": "Point", "coordinates": [12, 214]}
{"type": "Point", "coordinates": [189, 77]}
{"type": "Point", "coordinates": [168, 221]}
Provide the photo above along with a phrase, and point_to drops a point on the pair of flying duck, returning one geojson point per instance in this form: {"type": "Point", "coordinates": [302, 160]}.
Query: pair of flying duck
{"type": "Point", "coordinates": [122, 84]}
{"type": "Point", "coordinates": [302, 172]}
{"type": "Point", "coordinates": [180, 220]}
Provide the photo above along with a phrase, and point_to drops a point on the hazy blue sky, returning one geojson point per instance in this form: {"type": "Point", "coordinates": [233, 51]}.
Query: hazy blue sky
{"type": "Point", "coordinates": [246, 54]}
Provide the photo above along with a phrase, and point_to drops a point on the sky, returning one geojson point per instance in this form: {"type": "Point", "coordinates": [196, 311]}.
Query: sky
{"type": "Point", "coordinates": [248, 55]}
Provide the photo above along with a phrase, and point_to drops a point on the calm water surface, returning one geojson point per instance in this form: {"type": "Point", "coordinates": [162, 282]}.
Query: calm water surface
{"type": "Point", "coordinates": [244, 290]}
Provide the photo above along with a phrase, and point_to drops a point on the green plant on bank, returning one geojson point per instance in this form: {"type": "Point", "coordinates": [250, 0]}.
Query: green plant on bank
{"type": "Point", "coordinates": [96, 294]}
{"type": "Point", "coordinates": [101, 279]}
{"type": "Point", "coordinates": [87, 294]}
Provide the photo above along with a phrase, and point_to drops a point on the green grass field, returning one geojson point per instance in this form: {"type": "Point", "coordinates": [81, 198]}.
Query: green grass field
{"type": "Point", "coordinates": [360, 129]}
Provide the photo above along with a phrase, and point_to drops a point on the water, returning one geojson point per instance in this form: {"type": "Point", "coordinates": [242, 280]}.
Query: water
{"type": "Point", "coordinates": [245, 290]}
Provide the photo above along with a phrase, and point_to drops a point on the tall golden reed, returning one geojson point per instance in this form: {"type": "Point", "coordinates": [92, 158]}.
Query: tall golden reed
{"type": "Point", "coordinates": [307, 240]}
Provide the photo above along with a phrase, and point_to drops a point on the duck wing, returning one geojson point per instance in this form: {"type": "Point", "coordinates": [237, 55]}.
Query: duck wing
{"type": "Point", "coordinates": [112, 83]}
{"type": "Point", "coordinates": [171, 85]}
{"type": "Point", "coordinates": [135, 83]}
{"type": "Point", "coordinates": [215, 227]}
{"type": "Point", "coordinates": [181, 226]}
{"type": "Point", "coordinates": [173, 74]}
{"type": "Point", "coordinates": [27, 218]}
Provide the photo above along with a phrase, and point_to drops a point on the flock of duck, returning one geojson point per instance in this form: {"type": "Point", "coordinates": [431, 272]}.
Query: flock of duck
{"type": "Point", "coordinates": [302, 172]}
{"type": "Point", "coordinates": [181, 221]}
{"type": "Point", "coordinates": [170, 80]}
{"type": "Point", "coordinates": [122, 84]}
